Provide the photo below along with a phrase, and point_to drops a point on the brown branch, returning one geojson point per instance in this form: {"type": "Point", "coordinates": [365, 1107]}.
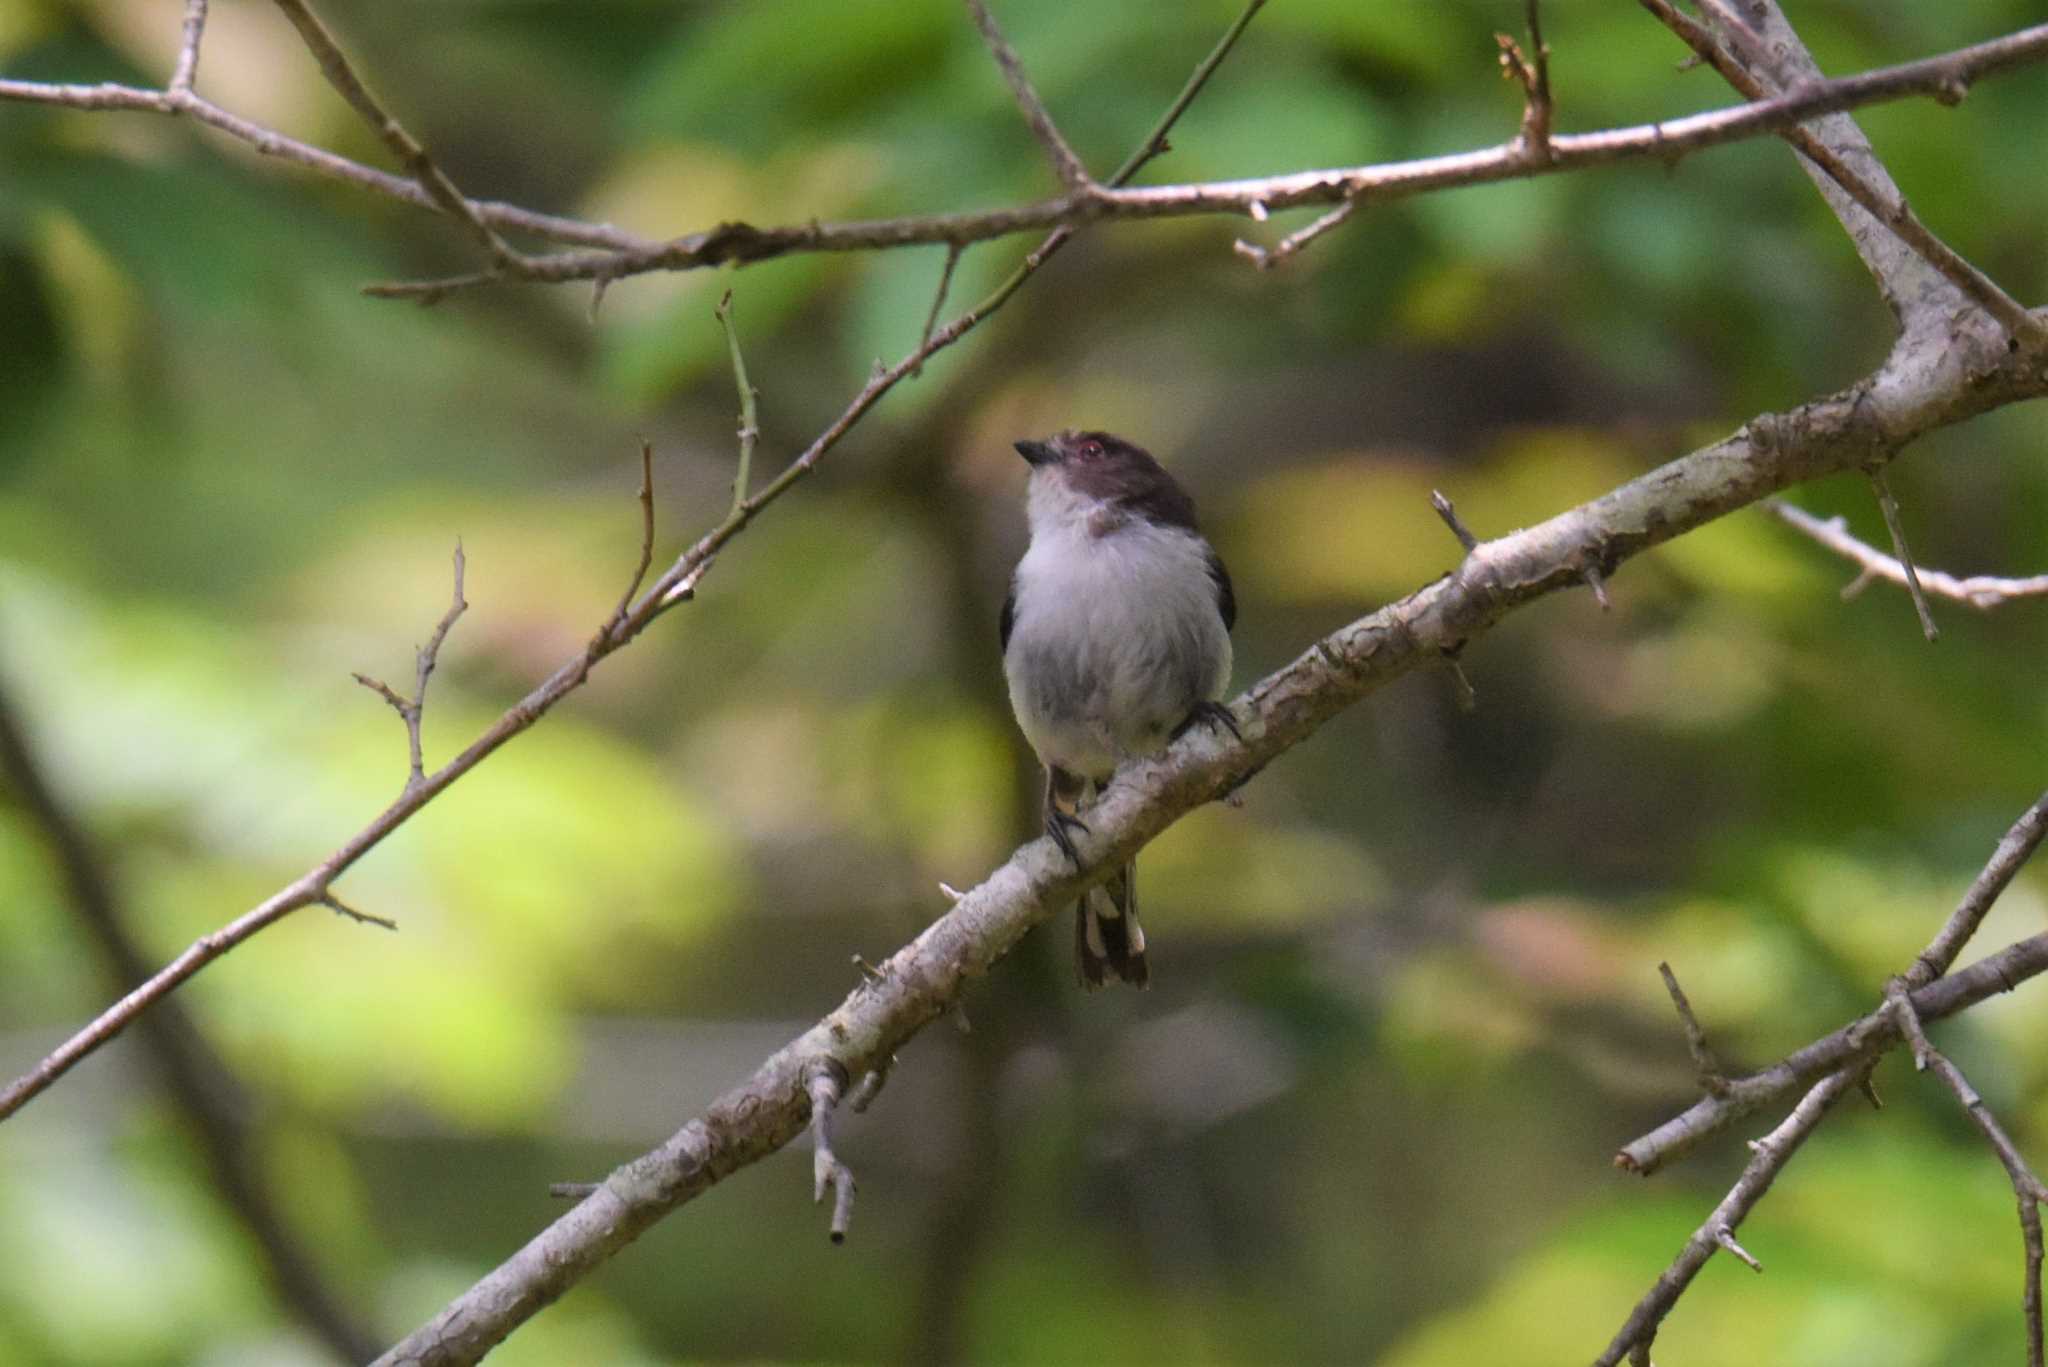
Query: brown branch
{"type": "Point", "coordinates": [1882, 200]}
{"type": "Point", "coordinates": [1924, 385]}
{"type": "Point", "coordinates": [205, 1093]}
{"type": "Point", "coordinates": [675, 585]}
{"type": "Point", "coordinates": [1941, 76]}
{"type": "Point", "coordinates": [1980, 591]}
{"type": "Point", "coordinates": [1768, 1157]}
{"type": "Point", "coordinates": [931, 320]}
{"type": "Point", "coordinates": [1065, 163]}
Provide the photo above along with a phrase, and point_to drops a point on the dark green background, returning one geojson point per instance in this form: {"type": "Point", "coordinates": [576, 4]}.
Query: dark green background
{"type": "Point", "coordinates": [1406, 1001]}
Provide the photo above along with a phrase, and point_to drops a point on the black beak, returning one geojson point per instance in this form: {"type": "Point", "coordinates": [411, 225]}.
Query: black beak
{"type": "Point", "coordinates": [1037, 452]}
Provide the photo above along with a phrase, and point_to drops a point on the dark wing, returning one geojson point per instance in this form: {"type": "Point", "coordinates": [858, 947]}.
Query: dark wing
{"type": "Point", "coordinates": [1009, 619]}
{"type": "Point", "coordinates": [1226, 597]}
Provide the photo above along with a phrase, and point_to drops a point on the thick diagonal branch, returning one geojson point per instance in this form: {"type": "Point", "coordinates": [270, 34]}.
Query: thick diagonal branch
{"type": "Point", "coordinates": [1922, 387]}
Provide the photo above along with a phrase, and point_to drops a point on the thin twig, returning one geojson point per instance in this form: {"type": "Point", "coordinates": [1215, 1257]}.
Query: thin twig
{"type": "Point", "coordinates": [1446, 510]}
{"type": "Point", "coordinates": [187, 68]}
{"type": "Point", "coordinates": [341, 908]}
{"type": "Point", "coordinates": [646, 497]}
{"type": "Point", "coordinates": [1065, 163]}
{"type": "Point", "coordinates": [424, 659]}
{"type": "Point", "coordinates": [1712, 1080]}
{"type": "Point", "coordinates": [1265, 258]}
{"type": "Point", "coordinates": [1980, 591]}
{"type": "Point", "coordinates": [953, 253]}
{"type": "Point", "coordinates": [334, 64]}
{"type": "Point", "coordinates": [1531, 71]}
{"type": "Point", "coordinates": [827, 1080]}
{"type": "Point", "coordinates": [1900, 551]}
{"type": "Point", "coordinates": [750, 424]}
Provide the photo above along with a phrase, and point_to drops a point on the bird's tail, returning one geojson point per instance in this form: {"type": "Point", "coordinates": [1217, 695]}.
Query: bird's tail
{"type": "Point", "coordinates": [1108, 942]}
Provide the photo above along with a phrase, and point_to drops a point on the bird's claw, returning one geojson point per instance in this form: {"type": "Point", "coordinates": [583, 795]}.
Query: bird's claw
{"type": "Point", "coordinates": [1057, 825]}
{"type": "Point", "coordinates": [1211, 715]}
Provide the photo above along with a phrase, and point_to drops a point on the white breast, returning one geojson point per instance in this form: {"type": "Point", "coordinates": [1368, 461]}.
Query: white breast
{"type": "Point", "coordinates": [1116, 636]}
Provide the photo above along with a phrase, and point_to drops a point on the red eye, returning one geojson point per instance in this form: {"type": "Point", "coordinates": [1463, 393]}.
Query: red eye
{"type": "Point", "coordinates": [1091, 449]}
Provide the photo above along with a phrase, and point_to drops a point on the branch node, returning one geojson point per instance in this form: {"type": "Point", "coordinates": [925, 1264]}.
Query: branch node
{"type": "Point", "coordinates": [572, 1191]}
{"type": "Point", "coordinates": [1725, 1237]}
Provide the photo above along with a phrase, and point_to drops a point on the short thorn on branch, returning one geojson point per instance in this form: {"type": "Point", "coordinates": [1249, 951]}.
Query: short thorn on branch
{"type": "Point", "coordinates": [1449, 513]}
{"type": "Point", "coordinates": [1725, 1237]}
{"type": "Point", "coordinates": [1890, 507]}
{"type": "Point", "coordinates": [826, 1082]}
{"type": "Point", "coordinates": [341, 908]}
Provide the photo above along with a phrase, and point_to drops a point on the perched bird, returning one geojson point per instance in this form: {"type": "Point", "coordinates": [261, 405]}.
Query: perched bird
{"type": "Point", "coordinates": [1116, 638]}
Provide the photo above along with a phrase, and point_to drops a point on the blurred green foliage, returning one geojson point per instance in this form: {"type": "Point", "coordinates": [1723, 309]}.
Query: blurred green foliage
{"type": "Point", "coordinates": [1407, 999]}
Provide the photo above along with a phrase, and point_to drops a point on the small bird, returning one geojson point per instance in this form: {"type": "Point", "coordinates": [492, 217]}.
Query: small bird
{"type": "Point", "coordinates": [1116, 639]}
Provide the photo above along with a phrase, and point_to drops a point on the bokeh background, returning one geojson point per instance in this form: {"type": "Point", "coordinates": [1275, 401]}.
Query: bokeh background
{"type": "Point", "coordinates": [1406, 1001]}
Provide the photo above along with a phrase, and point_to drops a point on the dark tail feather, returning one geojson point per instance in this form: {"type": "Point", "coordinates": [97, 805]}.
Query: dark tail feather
{"type": "Point", "coordinates": [1108, 942]}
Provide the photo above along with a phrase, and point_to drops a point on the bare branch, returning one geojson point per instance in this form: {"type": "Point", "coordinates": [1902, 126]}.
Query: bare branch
{"type": "Point", "coordinates": [1942, 76]}
{"type": "Point", "coordinates": [341, 908]}
{"type": "Point", "coordinates": [1981, 591]}
{"type": "Point", "coordinates": [1890, 507]}
{"type": "Point", "coordinates": [1933, 996]}
{"type": "Point", "coordinates": [1065, 164]}
{"type": "Point", "coordinates": [1768, 1157]}
{"type": "Point", "coordinates": [188, 47]}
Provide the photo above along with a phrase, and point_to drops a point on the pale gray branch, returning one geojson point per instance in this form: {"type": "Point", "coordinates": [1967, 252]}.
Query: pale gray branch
{"type": "Point", "coordinates": [1981, 591]}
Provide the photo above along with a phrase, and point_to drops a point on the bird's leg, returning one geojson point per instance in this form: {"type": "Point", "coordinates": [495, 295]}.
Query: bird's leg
{"type": "Point", "coordinates": [1062, 795]}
